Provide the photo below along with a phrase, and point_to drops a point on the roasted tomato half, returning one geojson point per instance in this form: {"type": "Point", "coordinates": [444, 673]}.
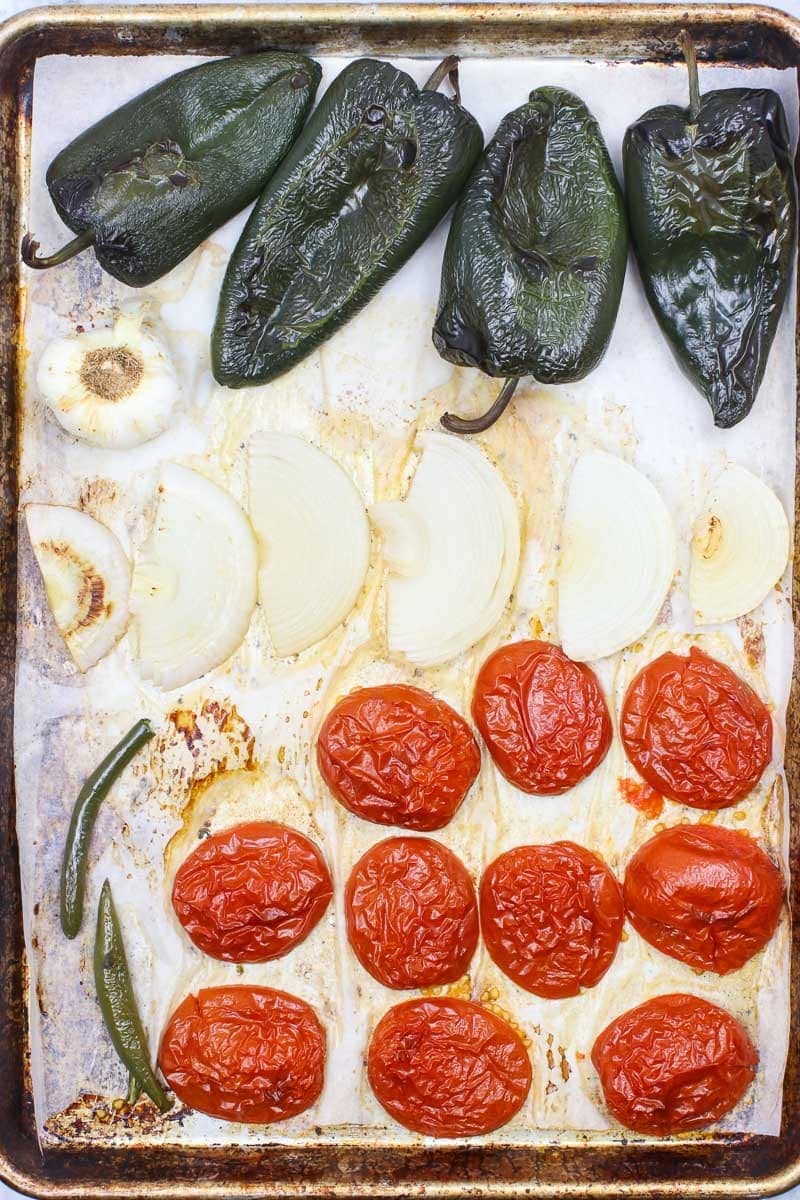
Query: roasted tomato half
{"type": "Point", "coordinates": [252, 892]}
{"type": "Point", "coordinates": [551, 917]}
{"type": "Point", "coordinates": [695, 731]}
{"type": "Point", "coordinates": [673, 1064]}
{"type": "Point", "coordinates": [412, 916]}
{"type": "Point", "coordinates": [247, 1054]}
{"type": "Point", "coordinates": [542, 716]}
{"type": "Point", "coordinates": [706, 895]}
{"type": "Point", "coordinates": [447, 1067]}
{"type": "Point", "coordinates": [398, 756]}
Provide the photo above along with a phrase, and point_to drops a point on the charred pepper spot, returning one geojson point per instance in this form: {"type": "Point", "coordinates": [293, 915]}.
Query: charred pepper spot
{"type": "Point", "coordinates": [408, 154]}
{"type": "Point", "coordinates": [375, 115]}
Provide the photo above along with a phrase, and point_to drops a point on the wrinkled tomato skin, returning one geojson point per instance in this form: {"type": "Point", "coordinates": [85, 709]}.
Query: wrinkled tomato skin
{"type": "Point", "coordinates": [448, 1068]}
{"type": "Point", "coordinates": [248, 1054]}
{"type": "Point", "coordinates": [705, 895]}
{"type": "Point", "coordinates": [673, 1064]}
{"type": "Point", "coordinates": [396, 755]}
{"type": "Point", "coordinates": [543, 717]}
{"type": "Point", "coordinates": [412, 916]}
{"type": "Point", "coordinates": [252, 892]}
{"type": "Point", "coordinates": [695, 731]}
{"type": "Point", "coordinates": [551, 917]}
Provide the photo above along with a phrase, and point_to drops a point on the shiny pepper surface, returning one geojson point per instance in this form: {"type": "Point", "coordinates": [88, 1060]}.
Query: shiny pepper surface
{"type": "Point", "coordinates": [377, 166]}
{"type": "Point", "coordinates": [149, 182]}
{"type": "Point", "coordinates": [535, 259]}
{"type": "Point", "coordinates": [711, 202]}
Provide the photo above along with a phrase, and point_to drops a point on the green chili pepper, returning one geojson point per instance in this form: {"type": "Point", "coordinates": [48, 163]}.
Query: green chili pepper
{"type": "Point", "coordinates": [149, 182]}
{"type": "Point", "coordinates": [118, 1003]}
{"type": "Point", "coordinates": [377, 166]}
{"type": "Point", "coordinates": [84, 815]}
{"type": "Point", "coordinates": [711, 199]}
{"type": "Point", "coordinates": [535, 259]}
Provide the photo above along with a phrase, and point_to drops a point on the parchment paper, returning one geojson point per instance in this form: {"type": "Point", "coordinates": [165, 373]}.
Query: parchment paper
{"type": "Point", "coordinates": [362, 397]}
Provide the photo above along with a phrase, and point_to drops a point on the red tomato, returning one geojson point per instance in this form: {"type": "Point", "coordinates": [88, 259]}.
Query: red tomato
{"type": "Point", "coordinates": [398, 756]}
{"type": "Point", "coordinates": [244, 1054]}
{"type": "Point", "coordinates": [412, 918]}
{"type": "Point", "coordinates": [695, 731]}
{"type": "Point", "coordinates": [252, 892]}
{"type": "Point", "coordinates": [673, 1064]}
{"type": "Point", "coordinates": [447, 1067]}
{"type": "Point", "coordinates": [542, 716]}
{"type": "Point", "coordinates": [706, 895]}
{"type": "Point", "coordinates": [551, 917]}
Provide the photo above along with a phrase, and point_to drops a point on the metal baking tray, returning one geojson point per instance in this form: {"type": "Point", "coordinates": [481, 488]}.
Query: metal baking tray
{"type": "Point", "coordinates": [719, 1165]}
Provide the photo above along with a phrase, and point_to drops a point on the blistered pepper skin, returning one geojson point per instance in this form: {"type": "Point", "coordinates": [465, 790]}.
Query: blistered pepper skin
{"type": "Point", "coordinates": [536, 255]}
{"type": "Point", "coordinates": [712, 207]}
{"type": "Point", "coordinates": [154, 178]}
{"type": "Point", "coordinates": [377, 166]}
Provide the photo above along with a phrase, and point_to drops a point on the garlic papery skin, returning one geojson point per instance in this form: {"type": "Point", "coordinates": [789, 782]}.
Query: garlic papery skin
{"type": "Point", "coordinates": [740, 547]}
{"type": "Point", "coordinates": [116, 387]}
{"type": "Point", "coordinates": [87, 579]}
{"type": "Point", "coordinates": [194, 580]}
{"type": "Point", "coordinates": [313, 536]}
{"type": "Point", "coordinates": [617, 557]}
{"type": "Point", "coordinates": [452, 549]}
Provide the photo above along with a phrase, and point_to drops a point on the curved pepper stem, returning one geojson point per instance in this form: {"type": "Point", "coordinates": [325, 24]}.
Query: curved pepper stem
{"type": "Point", "coordinates": [689, 53]}
{"type": "Point", "coordinates": [448, 67]}
{"type": "Point", "coordinates": [30, 247]}
{"type": "Point", "coordinates": [455, 424]}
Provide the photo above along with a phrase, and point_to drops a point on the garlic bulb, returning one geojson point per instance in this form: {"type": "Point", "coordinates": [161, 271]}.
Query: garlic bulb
{"type": "Point", "coordinates": [452, 548]}
{"type": "Point", "coordinates": [194, 582]}
{"type": "Point", "coordinates": [617, 557]}
{"type": "Point", "coordinates": [740, 547]}
{"type": "Point", "coordinates": [114, 387]}
{"type": "Point", "coordinates": [87, 578]}
{"type": "Point", "coordinates": [314, 536]}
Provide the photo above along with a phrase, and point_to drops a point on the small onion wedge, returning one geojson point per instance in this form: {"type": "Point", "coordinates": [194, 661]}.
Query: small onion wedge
{"type": "Point", "coordinates": [617, 557]}
{"type": "Point", "coordinates": [314, 539]}
{"type": "Point", "coordinates": [87, 578]}
{"type": "Point", "coordinates": [194, 583]}
{"type": "Point", "coordinates": [740, 547]}
{"type": "Point", "coordinates": [452, 548]}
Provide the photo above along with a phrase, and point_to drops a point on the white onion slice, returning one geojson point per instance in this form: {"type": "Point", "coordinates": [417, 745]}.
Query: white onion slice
{"type": "Point", "coordinates": [452, 547]}
{"type": "Point", "coordinates": [617, 557]}
{"type": "Point", "coordinates": [740, 547]}
{"type": "Point", "coordinates": [314, 539]}
{"type": "Point", "coordinates": [87, 578]}
{"type": "Point", "coordinates": [194, 583]}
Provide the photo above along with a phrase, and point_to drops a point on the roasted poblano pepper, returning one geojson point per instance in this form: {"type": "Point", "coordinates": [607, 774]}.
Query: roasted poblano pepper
{"type": "Point", "coordinates": [536, 255]}
{"type": "Point", "coordinates": [377, 166]}
{"type": "Point", "coordinates": [711, 198]}
{"type": "Point", "coordinates": [152, 180]}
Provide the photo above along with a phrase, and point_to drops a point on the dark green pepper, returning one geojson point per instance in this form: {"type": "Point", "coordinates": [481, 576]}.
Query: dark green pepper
{"type": "Point", "coordinates": [711, 198]}
{"type": "Point", "coordinates": [535, 260]}
{"type": "Point", "coordinates": [149, 182]}
{"type": "Point", "coordinates": [118, 1003]}
{"type": "Point", "coordinates": [377, 166]}
{"type": "Point", "coordinates": [84, 815]}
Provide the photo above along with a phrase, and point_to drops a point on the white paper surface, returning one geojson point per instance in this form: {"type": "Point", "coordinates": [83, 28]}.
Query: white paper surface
{"type": "Point", "coordinates": [362, 397]}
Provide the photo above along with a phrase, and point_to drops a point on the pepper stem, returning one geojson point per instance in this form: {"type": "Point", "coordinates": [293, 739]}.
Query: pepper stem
{"type": "Point", "coordinates": [447, 67]}
{"type": "Point", "coordinates": [689, 53]}
{"type": "Point", "coordinates": [455, 424]}
{"type": "Point", "coordinates": [32, 259]}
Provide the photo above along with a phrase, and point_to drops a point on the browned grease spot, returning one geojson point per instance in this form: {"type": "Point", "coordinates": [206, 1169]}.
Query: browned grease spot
{"type": "Point", "coordinates": [707, 540]}
{"type": "Point", "coordinates": [111, 372]}
{"type": "Point", "coordinates": [91, 1117]}
{"type": "Point", "coordinates": [753, 641]}
{"type": "Point", "coordinates": [644, 799]}
{"type": "Point", "coordinates": [566, 1069]}
{"type": "Point", "coordinates": [708, 818]}
{"type": "Point", "coordinates": [551, 1087]}
{"type": "Point", "coordinates": [551, 1058]}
